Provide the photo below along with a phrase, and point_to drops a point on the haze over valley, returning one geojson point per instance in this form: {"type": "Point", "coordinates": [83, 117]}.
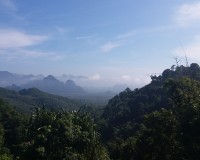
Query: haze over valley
{"type": "Point", "coordinates": [63, 86]}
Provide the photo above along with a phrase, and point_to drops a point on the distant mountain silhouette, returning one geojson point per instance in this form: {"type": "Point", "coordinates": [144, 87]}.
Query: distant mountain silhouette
{"type": "Point", "coordinates": [50, 78]}
{"type": "Point", "coordinates": [8, 79]}
{"type": "Point", "coordinates": [64, 85]}
{"type": "Point", "coordinates": [72, 87]}
{"type": "Point", "coordinates": [52, 85]}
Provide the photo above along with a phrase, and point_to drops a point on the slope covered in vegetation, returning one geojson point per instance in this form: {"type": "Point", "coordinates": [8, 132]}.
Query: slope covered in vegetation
{"type": "Point", "coordinates": [27, 99]}
{"type": "Point", "coordinates": [48, 135]}
{"type": "Point", "coordinates": [159, 121]}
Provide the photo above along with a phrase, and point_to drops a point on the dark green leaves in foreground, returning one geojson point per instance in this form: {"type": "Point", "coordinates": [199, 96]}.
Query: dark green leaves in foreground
{"type": "Point", "coordinates": [158, 121]}
{"type": "Point", "coordinates": [48, 135]}
{"type": "Point", "coordinates": [62, 135]}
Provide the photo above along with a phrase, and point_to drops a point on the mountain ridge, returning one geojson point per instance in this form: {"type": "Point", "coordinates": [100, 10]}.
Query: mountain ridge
{"type": "Point", "coordinates": [26, 99]}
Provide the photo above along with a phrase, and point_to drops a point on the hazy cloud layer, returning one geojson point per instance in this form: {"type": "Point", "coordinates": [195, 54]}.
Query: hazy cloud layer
{"type": "Point", "coordinates": [95, 77]}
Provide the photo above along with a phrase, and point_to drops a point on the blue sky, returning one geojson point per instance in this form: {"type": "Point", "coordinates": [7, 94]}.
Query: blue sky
{"type": "Point", "coordinates": [107, 41]}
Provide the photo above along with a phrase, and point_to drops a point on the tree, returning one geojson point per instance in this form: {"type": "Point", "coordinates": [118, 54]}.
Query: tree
{"type": "Point", "coordinates": [156, 138]}
{"type": "Point", "coordinates": [4, 152]}
{"type": "Point", "coordinates": [55, 135]}
{"type": "Point", "coordinates": [185, 95]}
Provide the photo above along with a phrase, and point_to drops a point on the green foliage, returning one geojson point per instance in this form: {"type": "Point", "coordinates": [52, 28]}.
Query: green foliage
{"type": "Point", "coordinates": [62, 135]}
{"type": "Point", "coordinates": [156, 139]}
{"type": "Point", "coordinates": [186, 105]}
{"type": "Point", "coordinates": [1, 135]}
{"type": "Point", "coordinates": [9, 131]}
{"type": "Point", "coordinates": [5, 156]}
{"type": "Point", "coordinates": [27, 99]}
{"type": "Point", "coordinates": [159, 121]}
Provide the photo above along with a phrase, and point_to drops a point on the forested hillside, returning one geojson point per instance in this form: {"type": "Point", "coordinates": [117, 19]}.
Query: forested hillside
{"type": "Point", "coordinates": [159, 121]}
{"type": "Point", "coordinates": [48, 134]}
{"type": "Point", "coordinates": [27, 99]}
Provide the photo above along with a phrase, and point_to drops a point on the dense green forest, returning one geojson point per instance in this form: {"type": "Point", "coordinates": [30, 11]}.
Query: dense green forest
{"type": "Point", "coordinates": [26, 99]}
{"type": "Point", "coordinates": [159, 121]}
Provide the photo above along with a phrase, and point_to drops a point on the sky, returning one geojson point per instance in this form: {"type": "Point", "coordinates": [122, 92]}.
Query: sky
{"type": "Point", "coordinates": [101, 42]}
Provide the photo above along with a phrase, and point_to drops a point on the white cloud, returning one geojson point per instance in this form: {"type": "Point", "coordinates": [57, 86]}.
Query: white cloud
{"type": "Point", "coordinates": [10, 38]}
{"type": "Point", "coordinates": [109, 46]}
{"type": "Point", "coordinates": [14, 43]}
{"type": "Point", "coordinates": [188, 14]}
{"type": "Point", "coordinates": [192, 50]}
{"type": "Point", "coordinates": [95, 77]}
{"type": "Point", "coordinates": [126, 77]}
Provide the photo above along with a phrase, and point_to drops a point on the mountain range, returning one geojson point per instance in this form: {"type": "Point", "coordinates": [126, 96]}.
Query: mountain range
{"type": "Point", "coordinates": [62, 87]}
{"type": "Point", "coordinates": [7, 78]}
{"type": "Point", "coordinates": [52, 85]}
{"type": "Point", "coordinates": [47, 84]}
